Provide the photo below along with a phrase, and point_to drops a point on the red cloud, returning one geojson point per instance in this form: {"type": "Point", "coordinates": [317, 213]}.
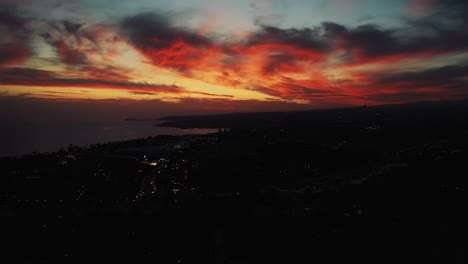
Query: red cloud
{"type": "Point", "coordinates": [274, 58]}
{"type": "Point", "coordinates": [421, 7]}
{"type": "Point", "coordinates": [181, 56]}
{"type": "Point", "coordinates": [69, 55]}
{"type": "Point", "coordinates": [13, 53]}
{"type": "Point", "coordinates": [14, 37]}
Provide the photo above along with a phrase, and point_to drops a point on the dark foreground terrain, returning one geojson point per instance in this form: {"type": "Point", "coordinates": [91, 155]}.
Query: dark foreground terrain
{"type": "Point", "coordinates": [384, 184]}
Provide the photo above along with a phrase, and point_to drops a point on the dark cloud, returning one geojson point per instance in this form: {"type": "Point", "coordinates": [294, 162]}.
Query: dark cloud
{"type": "Point", "coordinates": [437, 34]}
{"type": "Point", "coordinates": [188, 92]}
{"type": "Point", "coordinates": [370, 41]}
{"type": "Point", "coordinates": [106, 73]}
{"type": "Point", "coordinates": [456, 9]}
{"type": "Point", "coordinates": [13, 53]}
{"type": "Point", "coordinates": [332, 30]}
{"type": "Point", "coordinates": [296, 89]}
{"type": "Point", "coordinates": [213, 95]}
{"type": "Point", "coordinates": [307, 38]}
{"type": "Point", "coordinates": [430, 77]}
{"type": "Point", "coordinates": [443, 31]}
{"type": "Point", "coordinates": [278, 62]}
{"type": "Point", "coordinates": [69, 55]}
{"type": "Point", "coordinates": [166, 45]}
{"type": "Point", "coordinates": [155, 31]}
{"type": "Point", "coordinates": [407, 96]}
{"type": "Point", "coordinates": [11, 20]}
{"type": "Point", "coordinates": [67, 29]}
{"type": "Point", "coordinates": [155, 36]}
{"type": "Point", "coordinates": [181, 49]}
{"type": "Point", "coordinates": [16, 48]}
{"type": "Point", "coordinates": [22, 75]}
{"type": "Point", "coordinates": [266, 90]}
{"type": "Point", "coordinates": [289, 90]}
{"type": "Point", "coordinates": [71, 27]}
{"type": "Point", "coordinates": [33, 77]}
{"type": "Point", "coordinates": [71, 40]}
{"type": "Point", "coordinates": [448, 82]}
{"type": "Point", "coordinates": [283, 50]}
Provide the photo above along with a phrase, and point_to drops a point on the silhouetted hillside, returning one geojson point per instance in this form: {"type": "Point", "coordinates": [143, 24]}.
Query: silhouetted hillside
{"type": "Point", "coordinates": [405, 114]}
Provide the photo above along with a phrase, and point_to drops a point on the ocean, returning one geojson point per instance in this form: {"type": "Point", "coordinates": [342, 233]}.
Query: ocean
{"type": "Point", "coordinates": [19, 138]}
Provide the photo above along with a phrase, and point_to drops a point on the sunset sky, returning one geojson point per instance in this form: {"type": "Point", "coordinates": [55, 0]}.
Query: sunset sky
{"type": "Point", "coordinates": [233, 55]}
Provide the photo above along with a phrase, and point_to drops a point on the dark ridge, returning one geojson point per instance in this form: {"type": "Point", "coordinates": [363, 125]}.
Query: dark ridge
{"type": "Point", "coordinates": [141, 119]}
{"type": "Point", "coordinates": [442, 111]}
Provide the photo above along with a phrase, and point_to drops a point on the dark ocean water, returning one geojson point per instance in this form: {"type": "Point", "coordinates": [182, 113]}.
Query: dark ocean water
{"type": "Point", "coordinates": [18, 138]}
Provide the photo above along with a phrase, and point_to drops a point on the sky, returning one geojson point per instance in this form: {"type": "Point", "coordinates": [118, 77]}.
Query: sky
{"type": "Point", "coordinates": [156, 57]}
